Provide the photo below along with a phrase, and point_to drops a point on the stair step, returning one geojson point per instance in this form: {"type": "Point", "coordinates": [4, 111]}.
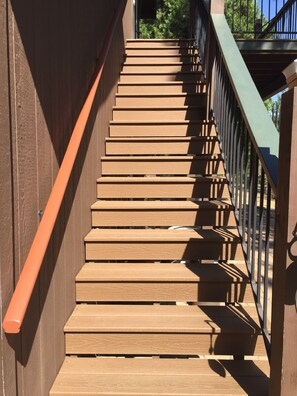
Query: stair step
{"type": "Point", "coordinates": [141, 59]}
{"type": "Point", "coordinates": [166, 377]}
{"type": "Point", "coordinates": [162, 187]}
{"type": "Point", "coordinates": [144, 87]}
{"type": "Point", "coordinates": [159, 43]}
{"type": "Point", "coordinates": [162, 213]}
{"type": "Point", "coordinates": [163, 272]}
{"type": "Point", "coordinates": [158, 165]}
{"type": "Point", "coordinates": [126, 282]}
{"type": "Point", "coordinates": [173, 67]}
{"type": "Point", "coordinates": [161, 128]}
{"type": "Point", "coordinates": [163, 145]}
{"type": "Point", "coordinates": [159, 113]}
{"type": "Point", "coordinates": [162, 100]}
{"type": "Point", "coordinates": [157, 50]}
{"type": "Point", "coordinates": [163, 244]}
{"type": "Point", "coordinates": [190, 76]}
{"type": "Point", "coordinates": [163, 330]}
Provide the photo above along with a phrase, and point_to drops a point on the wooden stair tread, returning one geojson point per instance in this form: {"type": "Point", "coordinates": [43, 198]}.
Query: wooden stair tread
{"type": "Point", "coordinates": [162, 179]}
{"type": "Point", "coordinates": [161, 122]}
{"type": "Point", "coordinates": [162, 145]}
{"type": "Point", "coordinates": [160, 58]}
{"type": "Point", "coordinates": [157, 272]}
{"type": "Point", "coordinates": [161, 108]}
{"type": "Point", "coordinates": [161, 95]}
{"type": "Point", "coordinates": [162, 165]}
{"type": "Point", "coordinates": [147, 55]}
{"type": "Point", "coordinates": [163, 64]}
{"type": "Point", "coordinates": [145, 73]}
{"type": "Point", "coordinates": [161, 205]}
{"type": "Point", "coordinates": [189, 157]}
{"type": "Point", "coordinates": [162, 213]}
{"type": "Point", "coordinates": [163, 318]}
{"type": "Point", "coordinates": [162, 139]}
{"type": "Point", "coordinates": [163, 235]}
{"type": "Point", "coordinates": [165, 366]}
{"type": "Point", "coordinates": [139, 40]}
{"type": "Point", "coordinates": [164, 377]}
{"type": "Point", "coordinates": [171, 83]}
{"type": "Point", "coordinates": [162, 47]}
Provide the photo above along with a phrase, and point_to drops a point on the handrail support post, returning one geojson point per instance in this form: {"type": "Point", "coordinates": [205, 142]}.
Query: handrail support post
{"type": "Point", "coordinates": [283, 378]}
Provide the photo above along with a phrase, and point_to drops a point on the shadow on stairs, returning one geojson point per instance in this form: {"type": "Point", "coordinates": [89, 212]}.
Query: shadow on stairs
{"type": "Point", "coordinates": [164, 302]}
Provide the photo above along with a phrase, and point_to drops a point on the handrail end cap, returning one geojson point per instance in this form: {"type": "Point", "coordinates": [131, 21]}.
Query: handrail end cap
{"type": "Point", "coordinates": [11, 326]}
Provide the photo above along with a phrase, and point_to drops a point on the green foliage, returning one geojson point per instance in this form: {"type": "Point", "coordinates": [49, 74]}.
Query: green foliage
{"type": "Point", "coordinates": [172, 21]}
{"type": "Point", "coordinates": [240, 15]}
{"type": "Point", "coordinates": [273, 106]}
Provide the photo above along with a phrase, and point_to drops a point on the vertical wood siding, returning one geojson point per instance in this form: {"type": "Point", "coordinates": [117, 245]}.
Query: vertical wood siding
{"type": "Point", "coordinates": [52, 48]}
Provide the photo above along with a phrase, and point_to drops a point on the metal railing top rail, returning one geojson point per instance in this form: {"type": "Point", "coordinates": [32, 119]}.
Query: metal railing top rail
{"type": "Point", "coordinates": [19, 302]}
{"type": "Point", "coordinates": [262, 131]}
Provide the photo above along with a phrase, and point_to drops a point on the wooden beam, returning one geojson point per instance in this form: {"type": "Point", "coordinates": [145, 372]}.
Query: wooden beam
{"type": "Point", "coordinates": [284, 315]}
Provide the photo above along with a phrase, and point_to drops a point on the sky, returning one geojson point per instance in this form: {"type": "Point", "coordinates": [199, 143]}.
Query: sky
{"type": "Point", "coordinates": [275, 5]}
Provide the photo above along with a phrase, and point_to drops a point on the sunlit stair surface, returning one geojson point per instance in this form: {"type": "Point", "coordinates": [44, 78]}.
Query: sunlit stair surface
{"type": "Point", "coordinates": [164, 301]}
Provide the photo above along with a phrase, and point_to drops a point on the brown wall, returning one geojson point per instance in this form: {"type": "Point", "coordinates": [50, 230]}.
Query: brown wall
{"type": "Point", "coordinates": [48, 51]}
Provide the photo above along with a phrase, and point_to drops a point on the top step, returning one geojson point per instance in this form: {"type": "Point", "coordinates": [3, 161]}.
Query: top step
{"type": "Point", "coordinates": [159, 43]}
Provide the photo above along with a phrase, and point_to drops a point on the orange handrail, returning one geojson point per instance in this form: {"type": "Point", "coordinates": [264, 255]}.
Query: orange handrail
{"type": "Point", "coordinates": [19, 302]}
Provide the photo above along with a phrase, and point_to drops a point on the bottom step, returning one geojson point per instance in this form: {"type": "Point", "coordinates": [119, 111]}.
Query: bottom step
{"type": "Point", "coordinates": [166, 377]}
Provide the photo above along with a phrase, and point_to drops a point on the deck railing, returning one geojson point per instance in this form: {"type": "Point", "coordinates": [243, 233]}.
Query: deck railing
{"type": "Point", "coordinates": [262, 18]}
{"type": "Point", "coordinates": [262, 184]}
{"type": "Point", "coordinates": [19, 302]}
{"type": "Point", "coordinates": [249, 143]}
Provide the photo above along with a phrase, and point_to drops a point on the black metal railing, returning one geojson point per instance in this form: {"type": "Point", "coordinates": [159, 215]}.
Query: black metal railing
{"type": "Point", "coordinates": [250, 189]}
{"type": "Point", "coordinates": [275, 19]}
{"type": "Point", "coordinates": [200, 29]}
{"type": "Point", "coordinates": [249, 144]}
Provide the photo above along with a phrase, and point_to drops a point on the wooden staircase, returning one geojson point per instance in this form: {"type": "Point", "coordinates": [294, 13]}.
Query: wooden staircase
{"type": "Point", "coordinates": [164, 302]}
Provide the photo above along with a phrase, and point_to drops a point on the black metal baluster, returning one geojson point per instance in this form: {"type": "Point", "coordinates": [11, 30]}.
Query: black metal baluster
{"type": "Point", "coordinates": [260, 239]}
{"type": "Point", "coordinates": [242, 163]}
{"type": "Point", "coordinates": [250, 212]}
{"type": "Point", "coordinates": [245, 187]}
{"type": "Point", "coordinates": [237, 172]}
{"type": "Point", "coordinates": [266, 264]}
{"type": "Point", "coordinates": [254, 215]}
{"type": "Point", "coordinates": [234, 151]}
